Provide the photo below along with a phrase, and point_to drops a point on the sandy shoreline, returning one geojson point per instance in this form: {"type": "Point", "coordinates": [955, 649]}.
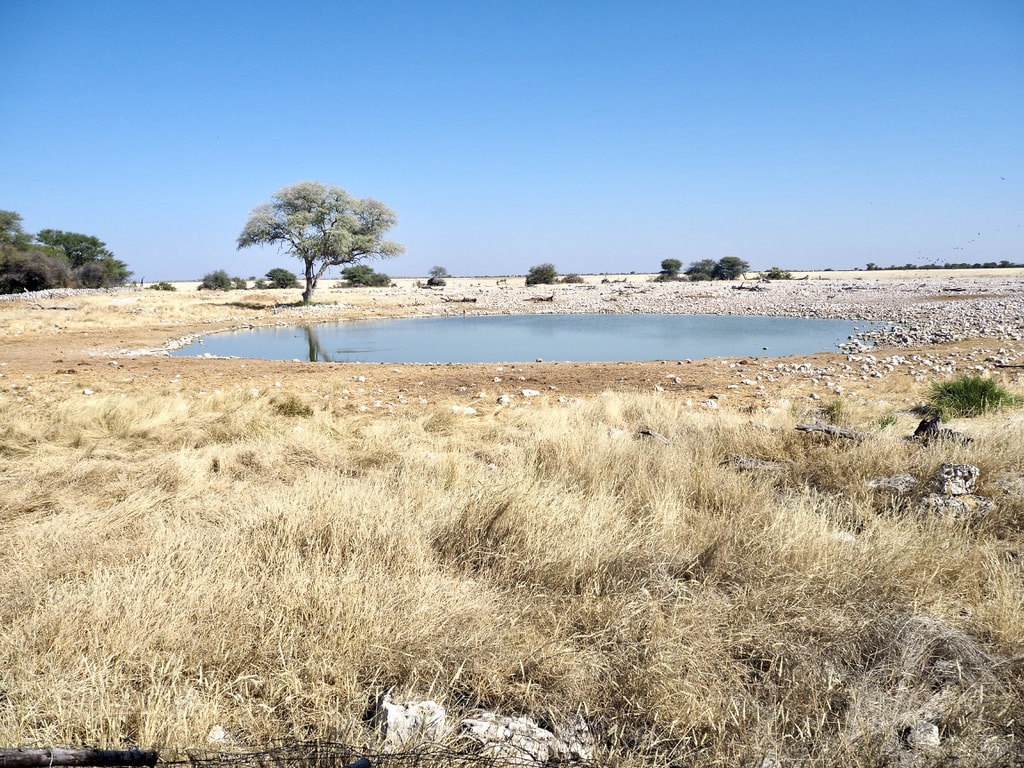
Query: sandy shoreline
{"type": "Point", "coordinates": [119, 341]}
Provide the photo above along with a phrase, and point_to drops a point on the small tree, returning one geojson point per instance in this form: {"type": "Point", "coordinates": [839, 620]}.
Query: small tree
{"type": "Point", "coordinates": [282, 278]}
{"type": "Point", "coordinates": [322, 225]}
{"type": "Point", "coordinates": [437, 276]}
{"type": "Point", "coordinates": [216, 281]}
{"type": "Point", "coordinates": [701, 270]}
{"type": "Point", "coordinates": [775, 273]}
{"type": "Point", "coordinates": [362, 275]}
{"type": "Point", "coordinates": [669, 270]}
{"type": "Point", "coordinates": [542, 274]}
{"type": "Point", "coordinates": [730, 268]}
{"type": "Point", "coordinates": [92, 263]}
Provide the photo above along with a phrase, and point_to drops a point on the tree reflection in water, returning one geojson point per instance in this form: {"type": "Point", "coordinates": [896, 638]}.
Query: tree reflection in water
{"type": "Point", "coordinates": [317, 354]}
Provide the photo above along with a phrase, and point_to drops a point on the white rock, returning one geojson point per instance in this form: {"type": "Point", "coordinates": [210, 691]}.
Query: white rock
{"type": "Point", "coordinates": [956, 479]}
{"type": "Point", "coordinates": [529, 392]}
{"type": "Point", "coordinates": [923, 735]}
{"type": "Point", "coordinates": [464, 410]}
{"type": "Point", "coordinates": [407, 725]}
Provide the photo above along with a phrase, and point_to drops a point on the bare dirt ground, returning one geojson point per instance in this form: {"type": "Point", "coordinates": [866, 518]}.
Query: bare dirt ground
{"type": "Point", "coordinates": [61, 346]}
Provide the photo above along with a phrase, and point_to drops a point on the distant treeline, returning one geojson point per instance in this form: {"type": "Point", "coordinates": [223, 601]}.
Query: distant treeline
{"type": "Point", "coordinates": [949, 265]}
{"type": "Point", "coordinates": [54, 258]}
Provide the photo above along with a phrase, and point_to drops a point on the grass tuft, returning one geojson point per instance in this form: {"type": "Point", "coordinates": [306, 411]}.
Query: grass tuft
{"type": "Point", "coordinates": [969, 395]}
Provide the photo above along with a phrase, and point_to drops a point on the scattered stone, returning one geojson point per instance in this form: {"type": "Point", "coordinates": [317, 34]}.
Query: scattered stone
{"type": "Point", "coordinates": [956, 479]}
{"type": "Point", "coordinates": [576, 736]}
{"type": "Point", "coordinates": [529, 392]}
{"type": "Point", "coordinates": [923, 735]}
{"type": "Point", "coordinates": [962, 507]}
{"type": "Point", "coordinates": [521, 741]}
{"type": "Point", "coordinates": [895, 484]}
{"type": "Point", "coordinates": [464, 410]}
{"type": "Point", "coordinates": [504, 400]}
{"type": "Point", "coordinates": [751, 464]}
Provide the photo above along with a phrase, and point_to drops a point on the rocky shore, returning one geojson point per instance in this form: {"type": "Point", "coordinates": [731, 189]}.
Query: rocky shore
{"type": "Point", "coordinates": [920, 312]}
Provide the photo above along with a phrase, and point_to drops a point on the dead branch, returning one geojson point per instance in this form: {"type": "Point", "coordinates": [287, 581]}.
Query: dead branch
{"type": "Point", "coordinates": [53, 306]}
{"type": "Point", "coordinates": [833, 430]}
{"type": "Point", "coordinates": [645, 432]}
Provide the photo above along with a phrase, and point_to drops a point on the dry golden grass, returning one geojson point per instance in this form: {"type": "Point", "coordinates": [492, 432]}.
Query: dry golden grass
{"type": "Point", "coordinates": [268, 562]}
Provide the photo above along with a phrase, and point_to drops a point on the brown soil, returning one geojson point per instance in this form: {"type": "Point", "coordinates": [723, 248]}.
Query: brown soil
{"type": "Point", "coordinates": [73, 360]}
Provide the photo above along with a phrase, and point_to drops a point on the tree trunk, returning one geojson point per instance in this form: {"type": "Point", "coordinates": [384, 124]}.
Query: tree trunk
{"type": "Point", "coordinates": [307, 295]}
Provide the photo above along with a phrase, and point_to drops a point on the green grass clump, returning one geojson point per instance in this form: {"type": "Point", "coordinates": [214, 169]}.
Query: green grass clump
{"type": "Point", "coordinates": [969, 395]}
{"type": "Point", "coordinates": [291, 405]}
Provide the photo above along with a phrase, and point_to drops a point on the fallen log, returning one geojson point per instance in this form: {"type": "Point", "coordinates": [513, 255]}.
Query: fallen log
{"type": "Point", "coordinates": [466, 300]}
{"type": "Point", "coordinates": [45, 757]}
{"type": "Point", "coordinates": [833, 430]}
{"type": "Point", "coordinates": [542, 298]}
{"type": "Point", "coordinates": [53, 306]}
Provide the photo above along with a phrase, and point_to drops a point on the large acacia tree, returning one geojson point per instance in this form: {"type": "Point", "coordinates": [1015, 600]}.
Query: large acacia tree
{"type": "Point", "coordinates": [324, 226]}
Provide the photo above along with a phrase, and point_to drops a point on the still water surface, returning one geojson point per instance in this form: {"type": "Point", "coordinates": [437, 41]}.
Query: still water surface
{"type": "Point", "coordinates": [521, 338]}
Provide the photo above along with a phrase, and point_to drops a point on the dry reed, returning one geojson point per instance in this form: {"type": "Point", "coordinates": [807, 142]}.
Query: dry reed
{"type": "Point", "coordinates": [174, 564]}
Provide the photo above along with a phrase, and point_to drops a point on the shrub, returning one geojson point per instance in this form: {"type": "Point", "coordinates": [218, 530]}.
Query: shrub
{"type": "Point", "coordinates": [572, 278]}
{"type": "Point", "coordinates": [162, 286]}
{"type": "Point", "coordinates": [730, 268]}
{"type": "Point", "coordinates": [835, 413]}
{"type": "Point", "coordinates": [542, 274]}
{"type": "Point", "coordinates": [362, 275]}
{"type": "Point", "coordinates": [215, 281]}
{"type": "Point", "coordinates": [32, 270]}
{"type": "Point", "coordinates": [281, 278]}
{"type": "Point", "coordinates": [437, 277]}
{"type": "Point", "coordinates": [669, 270]}
{"type": "Point", "coordinates": [969, 395]}
{"type": "Point", "coordinates": [239, 284]}
{"type": "Point", "coordinates": [777, 274]}
{"type": "Point", "coordinates": [701, 270]}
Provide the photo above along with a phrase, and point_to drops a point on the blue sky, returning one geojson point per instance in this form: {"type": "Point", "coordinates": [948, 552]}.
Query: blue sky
{"type": "Point", "coordinates": [599, 136]}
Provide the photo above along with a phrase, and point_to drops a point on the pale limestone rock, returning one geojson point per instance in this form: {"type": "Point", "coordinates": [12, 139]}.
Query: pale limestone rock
{"type": "Point", "coordinates": [412, 724]}
{"type": "Point", "coordinates": [956, 479]}
{"type": "Point", "coordinates": [896, 483]}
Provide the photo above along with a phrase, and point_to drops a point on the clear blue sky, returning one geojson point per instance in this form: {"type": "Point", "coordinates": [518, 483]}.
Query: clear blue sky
{"type": "Point", "coordinates": [599, 136]}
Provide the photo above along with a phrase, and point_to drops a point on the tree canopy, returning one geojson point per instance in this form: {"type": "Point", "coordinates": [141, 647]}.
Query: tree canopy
{"type": "Point", "coordinates": [726, 268]}
{"type": "Point", "coordinates": [322, 225]}
{"type": "Point", "coordinates": [542, 274]}
{"type": "Point", "coordinates": [11, 232]}
{"type": "Point", "coordinates": [54, 259]}
{"type": "Point", "coordinates": [76, 248]}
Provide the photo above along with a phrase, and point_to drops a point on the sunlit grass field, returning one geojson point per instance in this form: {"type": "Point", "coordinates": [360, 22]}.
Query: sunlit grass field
{"type": "Point", "coordinates": [267, 562]}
